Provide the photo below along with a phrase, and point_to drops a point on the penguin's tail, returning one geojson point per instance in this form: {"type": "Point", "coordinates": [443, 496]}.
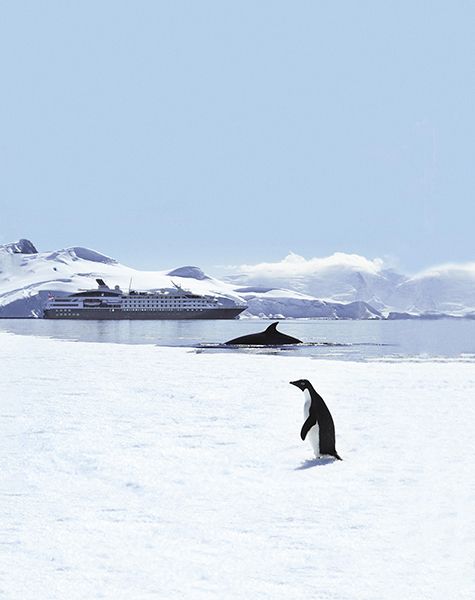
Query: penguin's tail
{"type": "Point", "coordinates": [337, 457]}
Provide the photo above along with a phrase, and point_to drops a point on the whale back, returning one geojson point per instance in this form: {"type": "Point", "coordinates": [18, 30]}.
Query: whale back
{"type": "Point", "coordinates": [269, 337]}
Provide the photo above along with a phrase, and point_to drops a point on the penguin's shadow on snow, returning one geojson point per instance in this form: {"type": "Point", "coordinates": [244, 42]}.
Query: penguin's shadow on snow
{"type": "Point", "coordinates": [315, 462]}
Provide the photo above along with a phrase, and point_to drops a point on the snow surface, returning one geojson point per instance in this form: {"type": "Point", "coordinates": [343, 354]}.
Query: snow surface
{"type": "Point", "coordinates": [135, 472]}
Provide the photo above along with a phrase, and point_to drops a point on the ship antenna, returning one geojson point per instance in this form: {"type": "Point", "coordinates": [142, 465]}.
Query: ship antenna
{"type": "Point", "coordinates": [130, 284]}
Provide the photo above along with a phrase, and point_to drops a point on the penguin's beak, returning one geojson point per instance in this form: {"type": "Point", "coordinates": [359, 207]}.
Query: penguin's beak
{"type": "Point", "coordinates": [296, 383]}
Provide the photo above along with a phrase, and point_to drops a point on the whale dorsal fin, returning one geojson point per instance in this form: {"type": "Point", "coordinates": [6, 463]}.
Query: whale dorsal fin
{"type": "Point", "coordinates": [272, 328]}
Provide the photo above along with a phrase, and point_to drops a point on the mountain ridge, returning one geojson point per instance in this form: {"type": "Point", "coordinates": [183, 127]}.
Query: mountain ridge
{"type": "Point", "coordinates": [341, 286]}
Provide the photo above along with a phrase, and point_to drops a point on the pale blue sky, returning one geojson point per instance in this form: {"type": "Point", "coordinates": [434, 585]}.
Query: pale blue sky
{"type": "Point", "coordinates": [210, 133]}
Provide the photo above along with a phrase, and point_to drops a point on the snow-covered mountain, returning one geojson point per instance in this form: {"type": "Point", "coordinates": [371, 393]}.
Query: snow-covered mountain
{"type": "Point", "coordinates": [27, 277]}
{"type": "Point", "coordinates": [447, 289]}
{"type": "Point", "coordinates": [341, 286]}
{"type": "Point", "coordinates": [337, 278]}
{"type": "Point", "coordinates": [21, 247]}
{"type": "Point", "coordinates": [351, 278]}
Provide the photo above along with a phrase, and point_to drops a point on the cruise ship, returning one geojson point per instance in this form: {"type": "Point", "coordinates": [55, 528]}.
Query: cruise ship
{"type": "Point", "coordinates": [114, 304]}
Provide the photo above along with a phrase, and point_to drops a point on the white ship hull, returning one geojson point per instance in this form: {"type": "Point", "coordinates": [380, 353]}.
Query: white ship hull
{"type": "Point", "coordinates": [100, 314]}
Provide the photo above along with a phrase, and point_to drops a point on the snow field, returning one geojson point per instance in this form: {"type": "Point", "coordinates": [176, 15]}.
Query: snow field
{"type": "Point", "coordinates": [132, 472]}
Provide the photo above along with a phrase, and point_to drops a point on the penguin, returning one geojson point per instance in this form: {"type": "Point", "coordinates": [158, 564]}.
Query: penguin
{"type": "Point", "coordinates": [318, 423]}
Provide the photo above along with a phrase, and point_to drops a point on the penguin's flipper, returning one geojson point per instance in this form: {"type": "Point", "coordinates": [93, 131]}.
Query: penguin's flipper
{"type": "Point", "coordinates": [309, 423]}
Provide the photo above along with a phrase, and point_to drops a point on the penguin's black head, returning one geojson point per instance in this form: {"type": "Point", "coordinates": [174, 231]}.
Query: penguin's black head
{"type": "Point", "coordinates": [302, 384]}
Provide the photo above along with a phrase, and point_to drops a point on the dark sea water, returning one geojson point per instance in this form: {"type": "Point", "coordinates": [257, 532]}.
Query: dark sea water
{"type": "Point", "coordinates": [452, 339]}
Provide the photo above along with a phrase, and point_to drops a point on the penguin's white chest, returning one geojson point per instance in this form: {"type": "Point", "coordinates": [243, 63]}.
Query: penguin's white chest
{"type": "Point", "coordinates": [313, 436]}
